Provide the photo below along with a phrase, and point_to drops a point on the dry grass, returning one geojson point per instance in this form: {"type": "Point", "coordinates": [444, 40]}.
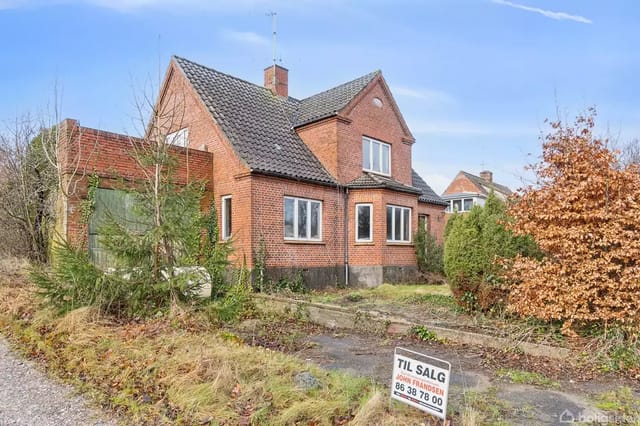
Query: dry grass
{"type": "Point", "coordinates": [177, 369]}
{"type": "Point", "coordinates": [385, 292]}
{"type": "Point", "coordinates": [12, 271]}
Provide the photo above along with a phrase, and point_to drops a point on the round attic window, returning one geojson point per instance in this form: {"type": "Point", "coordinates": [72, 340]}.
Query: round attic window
{"type": "Point", "coordinates": [377, 102]}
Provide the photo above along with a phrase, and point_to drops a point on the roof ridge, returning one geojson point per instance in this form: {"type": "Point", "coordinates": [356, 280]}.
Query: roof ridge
{"type": "Point", "coordinates": [227, 75]}
{"type": "Point", "coordinates": [372, 73]}
{"type": "Point", "coordinates": [492, 185]}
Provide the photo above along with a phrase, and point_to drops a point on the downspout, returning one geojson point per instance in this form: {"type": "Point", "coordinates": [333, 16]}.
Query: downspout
{"type": "Point", "coordinates": [346, 237]}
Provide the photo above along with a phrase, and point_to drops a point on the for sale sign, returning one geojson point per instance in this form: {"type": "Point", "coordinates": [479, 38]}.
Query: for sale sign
{"type": "Point", "coordinates": [421, 381]}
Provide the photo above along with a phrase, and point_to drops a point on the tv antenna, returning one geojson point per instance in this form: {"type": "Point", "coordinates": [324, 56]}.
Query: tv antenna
{"type": "Point", "coordinates": [274, 16]}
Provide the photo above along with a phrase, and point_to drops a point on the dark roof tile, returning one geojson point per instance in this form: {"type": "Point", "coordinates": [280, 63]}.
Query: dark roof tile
{"type": "Point", "coordinates": [373, 181]}
{"type": "Point", "coordinates": [257, 123]}
{"type": "Point", "coordinates": [328, 103]}
{"type": "Point", "coordinates": [428, 195]}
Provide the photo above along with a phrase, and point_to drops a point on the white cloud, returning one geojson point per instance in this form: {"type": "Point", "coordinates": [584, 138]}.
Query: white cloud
{"type": "Point", "coordinates": [429, 95]}
{"type": "Point", "coordinates": [558, 16]}
{"type": "Point", "coordinates": [246, 37]}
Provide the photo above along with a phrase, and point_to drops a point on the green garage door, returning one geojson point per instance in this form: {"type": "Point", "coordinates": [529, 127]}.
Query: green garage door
{"type": "Point", "coordinates": [115, 205]}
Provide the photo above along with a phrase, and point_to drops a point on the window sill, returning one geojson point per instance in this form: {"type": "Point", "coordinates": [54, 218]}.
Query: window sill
{"type": "Point", "coordinates": [388, 175]}
{"type": "Point", "coordinates": [364, 243]}
{"type": "Point", "coordinates": [317, 243]}
{"type": "Point", "coordinates": [399, 243]}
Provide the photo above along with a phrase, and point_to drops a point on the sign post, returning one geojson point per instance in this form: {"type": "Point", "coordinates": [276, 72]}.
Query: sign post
{"type": "Point", "coordinates": [421, 381]}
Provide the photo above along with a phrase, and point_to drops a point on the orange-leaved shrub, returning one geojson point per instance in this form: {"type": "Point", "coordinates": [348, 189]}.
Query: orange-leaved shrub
{"type": "Point", "coordinates": [584, 213]}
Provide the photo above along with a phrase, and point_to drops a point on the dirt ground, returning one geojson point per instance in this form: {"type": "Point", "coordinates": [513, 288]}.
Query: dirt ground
{"type": "Point", "coordinates": [568, 393]}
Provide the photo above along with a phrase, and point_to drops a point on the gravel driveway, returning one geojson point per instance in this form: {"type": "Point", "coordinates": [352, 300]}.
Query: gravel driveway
{"type": "Point", "coordinates": [29, 397]}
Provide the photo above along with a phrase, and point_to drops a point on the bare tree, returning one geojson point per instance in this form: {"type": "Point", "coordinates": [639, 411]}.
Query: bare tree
{"type": "Point", "coordinates": [630, 153]}
{"type": "Point", "coordinates": [27, 187]}
{"type": "Point", "coordinates": [33, 181]}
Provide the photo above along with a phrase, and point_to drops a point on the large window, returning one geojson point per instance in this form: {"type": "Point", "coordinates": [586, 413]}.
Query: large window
{"type": "Point", "coordinates": [302, 219]}
{"type": "Point", "coordinates": [364, 223]}
{"type": "Point", "coordinates": [179, 138]}
{"type": "Point", "coordinates": [376, 156]}
{"type": "Point", "coordinates": [398, 224]}
{"type": "Point", "coordinates": [226, 217]}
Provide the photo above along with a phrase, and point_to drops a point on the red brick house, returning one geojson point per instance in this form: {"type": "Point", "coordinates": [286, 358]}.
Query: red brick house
{"type": "Point", "coordinates": [325, 182]}
{"type": "Point", "coordinates": [467, 190]}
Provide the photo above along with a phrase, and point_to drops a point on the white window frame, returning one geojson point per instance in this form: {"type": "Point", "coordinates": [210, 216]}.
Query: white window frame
{"type": "Point", "coordinates": [226, 233]}
{"type": "Point", "coordinates": [179, 138]}
{"type": "Point", "coordinates": [393, 223]}
{"type": "Point", "coordinates": [364, 240]}
{"type": "Point", "coordinates": [462, 210]}
{"type": "Point", "coordinates": [296, 201]}
{"type": "Point", "coordinates": [372, 142]}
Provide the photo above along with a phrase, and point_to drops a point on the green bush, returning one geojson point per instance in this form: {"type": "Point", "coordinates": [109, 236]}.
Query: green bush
{"type": "Point", "coordinates": [476, 246]}
{"type": "Point", "coordinates": [429, 253]}
{"type": "Point", "coordinates": [73, 282]}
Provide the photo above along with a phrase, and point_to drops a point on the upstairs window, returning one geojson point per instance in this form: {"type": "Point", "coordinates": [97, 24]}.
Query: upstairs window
{"type": "Point", "coordinates": [302, 219]}
{"type": "Point", "coordinates": [460, 205]}
{"type": "Point", "coordinates": [398, 224]}
{"type": "Point", "coordinates": [179, 138]}
{"type": "Point", "coordinates": [376, 156]}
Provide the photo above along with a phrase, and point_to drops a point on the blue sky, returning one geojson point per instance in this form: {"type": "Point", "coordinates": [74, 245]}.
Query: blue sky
{"type": "Point", "coordinates": [475, 79]}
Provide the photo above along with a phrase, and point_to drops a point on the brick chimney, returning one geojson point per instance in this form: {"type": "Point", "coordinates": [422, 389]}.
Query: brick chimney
{"type": "Point", "coordinates": [276, 79]}
{"type": "Point", "coordinates": [486, 175]}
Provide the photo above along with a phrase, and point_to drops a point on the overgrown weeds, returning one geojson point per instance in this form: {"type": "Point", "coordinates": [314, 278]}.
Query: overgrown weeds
{"type": "Point", "coordinates": [177, 369]}
{"type": "Point", "coordinates": [526, 378]}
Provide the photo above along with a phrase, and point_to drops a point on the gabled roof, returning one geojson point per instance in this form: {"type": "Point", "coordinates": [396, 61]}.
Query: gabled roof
{"type": "Point", "coordinates": [261, 126]}
{"type": "Point", "coordinates": [329, 102]}
{"type": "Point", "coordinates": [257, 124]}
{"type": "Point", "coordinates": [485, 186]}
{"type": "Point", "coordinates": [373, 181]}
{"type": "Point", "coordinates": [428, 195]}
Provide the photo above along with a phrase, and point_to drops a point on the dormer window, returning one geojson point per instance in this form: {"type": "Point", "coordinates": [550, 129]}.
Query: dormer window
{"type": "Point", "coordinates": [376, 156]}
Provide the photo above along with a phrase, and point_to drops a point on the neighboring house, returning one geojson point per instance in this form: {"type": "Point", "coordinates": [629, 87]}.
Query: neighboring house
{"type": "Point", "coordinates": [325, 182]}
{"type": "Point", "coordinates": [467, 190]}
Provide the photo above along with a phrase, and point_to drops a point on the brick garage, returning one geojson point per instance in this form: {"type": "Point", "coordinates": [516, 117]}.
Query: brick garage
{"type": "Point", "coordinates": [83, 152]}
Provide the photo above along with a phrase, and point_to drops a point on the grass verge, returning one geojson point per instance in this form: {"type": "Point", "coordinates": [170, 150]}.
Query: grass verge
{"type": "Point", "coordinates": [180, 369]}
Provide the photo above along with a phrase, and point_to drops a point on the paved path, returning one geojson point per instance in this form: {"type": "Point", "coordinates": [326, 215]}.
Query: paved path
{"type": "Point", "coordinates": [29, 397]}
{"type": "Point", "coordinates": [525, 405]}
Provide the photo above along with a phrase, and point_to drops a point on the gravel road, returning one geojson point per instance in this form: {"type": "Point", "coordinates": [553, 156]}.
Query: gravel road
{"type": "Point", "coordinates": [29, 397]}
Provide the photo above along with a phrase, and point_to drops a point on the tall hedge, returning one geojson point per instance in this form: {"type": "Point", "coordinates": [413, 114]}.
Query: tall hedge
{"type": "Point", "coordinates": [584, 212]}
{"type": "Point", "coordinates": [476, 245]}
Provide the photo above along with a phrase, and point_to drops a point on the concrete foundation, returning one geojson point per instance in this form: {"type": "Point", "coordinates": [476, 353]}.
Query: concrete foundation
{"type": "Point", "coordinates": [359, 276]}
{"type": "Point", "coordinates": [314, 278]}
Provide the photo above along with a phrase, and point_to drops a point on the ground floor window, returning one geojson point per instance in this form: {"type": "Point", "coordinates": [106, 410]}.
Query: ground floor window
{"type": "Point", "coordinates": [364, 223]}
{"type": "Point", "coordinates": [302, 219]}
{"type": "Point", "coordinates": [398, 224]}
{"type": "Point", "coordinates": [226, 217]}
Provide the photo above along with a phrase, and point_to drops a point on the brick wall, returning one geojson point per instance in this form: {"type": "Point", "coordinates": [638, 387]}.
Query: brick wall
{"type": "Point", "coordinates": [382, 124]}
{"type": "Point", "coordinates": [268, 223]}
{"type": "Point", "coordinates": [337, 141]}
{"type": "Point", "coordinates": [438, 219]}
